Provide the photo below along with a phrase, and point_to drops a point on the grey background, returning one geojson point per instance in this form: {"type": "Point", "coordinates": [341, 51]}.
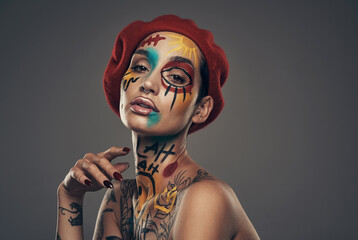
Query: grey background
{"type": "Point", "coordinates": [286, 140]}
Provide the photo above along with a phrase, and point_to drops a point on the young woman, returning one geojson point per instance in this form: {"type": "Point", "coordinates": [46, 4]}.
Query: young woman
{"type": "Point", "coordinates": [164, 80]}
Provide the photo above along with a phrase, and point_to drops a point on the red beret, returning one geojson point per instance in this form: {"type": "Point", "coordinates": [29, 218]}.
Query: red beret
{"type": "Point", "coordinates": [130, 37]}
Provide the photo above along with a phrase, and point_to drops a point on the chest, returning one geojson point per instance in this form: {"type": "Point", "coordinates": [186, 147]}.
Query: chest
{"type": "Point", "coordinates": [154, 218]}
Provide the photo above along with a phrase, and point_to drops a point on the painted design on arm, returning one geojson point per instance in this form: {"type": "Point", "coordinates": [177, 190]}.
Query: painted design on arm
{"type": "Point", "coordinates": [76, 208]}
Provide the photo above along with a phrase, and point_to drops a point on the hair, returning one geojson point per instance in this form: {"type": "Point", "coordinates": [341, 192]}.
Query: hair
{"type": "Point", "coordinates": [204, 73]}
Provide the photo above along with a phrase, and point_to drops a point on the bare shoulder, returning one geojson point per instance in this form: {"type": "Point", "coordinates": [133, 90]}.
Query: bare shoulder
{"type": "Point", "coordinates": [121, 191]}
{"type": "Point", "coordinates": [120, 198]}
{"type": "Point", "coordinates": [210, 207]}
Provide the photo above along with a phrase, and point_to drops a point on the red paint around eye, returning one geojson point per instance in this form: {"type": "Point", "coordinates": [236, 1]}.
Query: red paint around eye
{"type": "Point", "coordinates": [187, 68]}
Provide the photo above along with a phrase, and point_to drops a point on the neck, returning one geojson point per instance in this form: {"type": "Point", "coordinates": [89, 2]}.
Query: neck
{"type": "Point", "coordinates": [156, 159]}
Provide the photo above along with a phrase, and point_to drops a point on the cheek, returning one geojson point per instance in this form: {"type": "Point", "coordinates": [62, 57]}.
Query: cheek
{"type": "Point", "coordinates": [182, 104]}
{"type": "Point", "coordinates": [181, 97]}
{"type": "Point", "coordinates": [129, 78]}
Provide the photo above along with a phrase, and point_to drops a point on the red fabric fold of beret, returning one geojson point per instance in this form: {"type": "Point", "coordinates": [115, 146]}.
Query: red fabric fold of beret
{"type": "Point", "coordinates": [131, 36]}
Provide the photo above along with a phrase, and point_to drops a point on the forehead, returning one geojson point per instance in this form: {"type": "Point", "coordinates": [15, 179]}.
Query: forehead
{"type": "Point", "coordinates": [170, 44]}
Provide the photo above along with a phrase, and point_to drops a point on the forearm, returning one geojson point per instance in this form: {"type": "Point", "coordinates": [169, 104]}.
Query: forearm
{"type": "Point", "coordinates": [69, 216]}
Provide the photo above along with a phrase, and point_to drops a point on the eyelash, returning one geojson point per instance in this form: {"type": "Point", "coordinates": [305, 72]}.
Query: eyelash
{"type": "Point", "coordinates": [177, 78]}
{"type": "Point", "coordinates": [139, 68]}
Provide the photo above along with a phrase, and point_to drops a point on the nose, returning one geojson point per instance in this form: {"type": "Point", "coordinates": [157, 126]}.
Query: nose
{"type": "Point", "coordinates": [151, 84]}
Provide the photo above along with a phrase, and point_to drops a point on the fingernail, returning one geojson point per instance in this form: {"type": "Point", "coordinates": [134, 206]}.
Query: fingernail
{"type": "Point", "coordinates": [127, 165]}
{"type": "Point", "coordinates": [88, 182]}
{"type": "Point", "coordinates": [117, 176]}
{"type": "Point", "coordinates": [126, 149]}
{"type": "Point", "coordinates": [108, 184]}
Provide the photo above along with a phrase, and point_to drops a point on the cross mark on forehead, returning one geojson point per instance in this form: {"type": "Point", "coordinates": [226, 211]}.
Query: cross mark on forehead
{"type": "Point", "coordinates": [150, 40]}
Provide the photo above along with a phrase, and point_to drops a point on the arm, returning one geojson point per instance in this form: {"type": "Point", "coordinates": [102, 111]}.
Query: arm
{"type": "Point", "coordinates": [107, 224]}
{"type": "Point", "coordinates": [69, 212]}
{"type": "Point", "coordinates": [91, 173]}
{"type": "Point", "coordinates": [210, 210]}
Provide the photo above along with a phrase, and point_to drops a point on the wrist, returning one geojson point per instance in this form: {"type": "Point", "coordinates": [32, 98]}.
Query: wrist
{"type": "Point", "coordinates": [62, 192]}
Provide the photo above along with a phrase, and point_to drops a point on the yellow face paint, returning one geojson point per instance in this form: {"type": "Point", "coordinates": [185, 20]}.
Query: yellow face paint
{"type": "Point", "coordinates": [183, 45]}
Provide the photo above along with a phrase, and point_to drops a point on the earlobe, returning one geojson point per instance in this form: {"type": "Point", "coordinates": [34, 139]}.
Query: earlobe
{"type": "Point", "coordinates": [203, 110]}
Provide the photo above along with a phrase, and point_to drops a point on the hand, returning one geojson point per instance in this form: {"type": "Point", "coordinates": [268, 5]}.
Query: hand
{"type": "Point", "coordinates": [93, 172]}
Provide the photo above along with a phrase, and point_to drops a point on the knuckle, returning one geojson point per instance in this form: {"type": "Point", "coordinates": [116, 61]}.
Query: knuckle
{"type": "Point", "coordinates": [91, 167]}
{"type": "Point", "coordinates": [88, 155]}
{"type": "Point", "coordinates": [79, 162]}
{"type": "Point", "coordinates": [102, 161]}
{"type": "Point", "coordinates": [113, 149]}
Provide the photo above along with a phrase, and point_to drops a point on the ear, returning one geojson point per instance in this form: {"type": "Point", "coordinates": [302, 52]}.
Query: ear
{"type": "Point", "coordinates": [203, 109]}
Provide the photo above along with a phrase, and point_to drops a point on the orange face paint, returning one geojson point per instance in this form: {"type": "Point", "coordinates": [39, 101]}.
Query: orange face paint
{"type": "Point", "coordinates": [171, 72]}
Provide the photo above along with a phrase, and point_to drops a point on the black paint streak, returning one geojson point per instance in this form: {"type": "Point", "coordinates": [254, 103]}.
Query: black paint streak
{"type": "Point", "coordinates": [168, 89]}
{"type": "Point", "coordinates": [127, 82]}
{"type": "Point", "coordinates": [113, 238]}
{"type": "Point", "coordinates": [175, 96]}
{"type": "Point", "coordinates": [77, 221]}
{"type": "Point", "coordinates": [154, 148]}
{"type": "Point", "coordinates": [138, 154]}
{"type": "Point", "coordinates": [148, 175]}
{"type": "Point", "coordinates": [58, 237]}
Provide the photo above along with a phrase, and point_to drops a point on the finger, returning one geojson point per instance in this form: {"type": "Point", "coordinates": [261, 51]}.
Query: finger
{"type": "Point", "coordinates": [92, 169]}
{"type": "Point", "coordinates": [104, 165]}
{"type": "Point", "coordinates": [80, 176]}
{"type": "Point", "coordinates": [114, 152]}
{"type": "Point", "coordinates": [121, 167]}
{"type": "Point", "coordinates": [108, 169]}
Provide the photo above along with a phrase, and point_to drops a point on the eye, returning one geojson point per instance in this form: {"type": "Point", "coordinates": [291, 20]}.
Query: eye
{"type": "Point", "coordinates": [177, 77]}
{"type": "Point", "coordinates": [139, 68]}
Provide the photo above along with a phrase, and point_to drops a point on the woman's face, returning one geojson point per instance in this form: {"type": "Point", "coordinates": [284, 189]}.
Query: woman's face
{"type": "Point", "coordinates": [161, 85]}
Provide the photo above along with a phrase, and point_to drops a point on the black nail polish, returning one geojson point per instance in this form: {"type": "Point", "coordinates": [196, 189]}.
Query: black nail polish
{"type": "Point", "coordinates": [108, 184]}
{"type": "Point", "coordinates": [88, 182]}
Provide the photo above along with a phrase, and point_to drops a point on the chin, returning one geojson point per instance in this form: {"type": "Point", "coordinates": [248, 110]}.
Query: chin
{"type": "Point", "coordinates": [140, 127]}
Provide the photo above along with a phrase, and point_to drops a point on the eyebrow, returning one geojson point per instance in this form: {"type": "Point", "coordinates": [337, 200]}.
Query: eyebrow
{"type": "Point", "coordinates": [142, 52]}
{"type": "Point", "coordinates": [182, 60]}
{"type": "Point", "coordinates": [174, 59]}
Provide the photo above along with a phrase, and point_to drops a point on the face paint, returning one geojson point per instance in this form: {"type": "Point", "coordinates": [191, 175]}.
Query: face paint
{"type": "Point", "coordinates": [170, 169]}
{"type": "Point", "coordinates": [126, 82]}
{"type": "Point", "coordinates": [152, 57]}
{"type": "Point", "coordinates": [185, 45]}
{"type": "Point", "coordinates": [153, 118]}
{"type": "Point", "coordinates": [151, 40]}
{"type": "Point", "coordinates": [177, 77]}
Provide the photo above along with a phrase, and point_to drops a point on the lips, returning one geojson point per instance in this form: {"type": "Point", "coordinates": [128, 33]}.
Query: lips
{"type": "Point", "coordinates": [142, 106]}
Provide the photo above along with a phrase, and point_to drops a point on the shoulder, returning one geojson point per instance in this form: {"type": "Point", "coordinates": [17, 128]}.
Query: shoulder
{"type": "Point", "coordinates": [209, 209]}
{"type": "Point", "coordinates": [121, 192]}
